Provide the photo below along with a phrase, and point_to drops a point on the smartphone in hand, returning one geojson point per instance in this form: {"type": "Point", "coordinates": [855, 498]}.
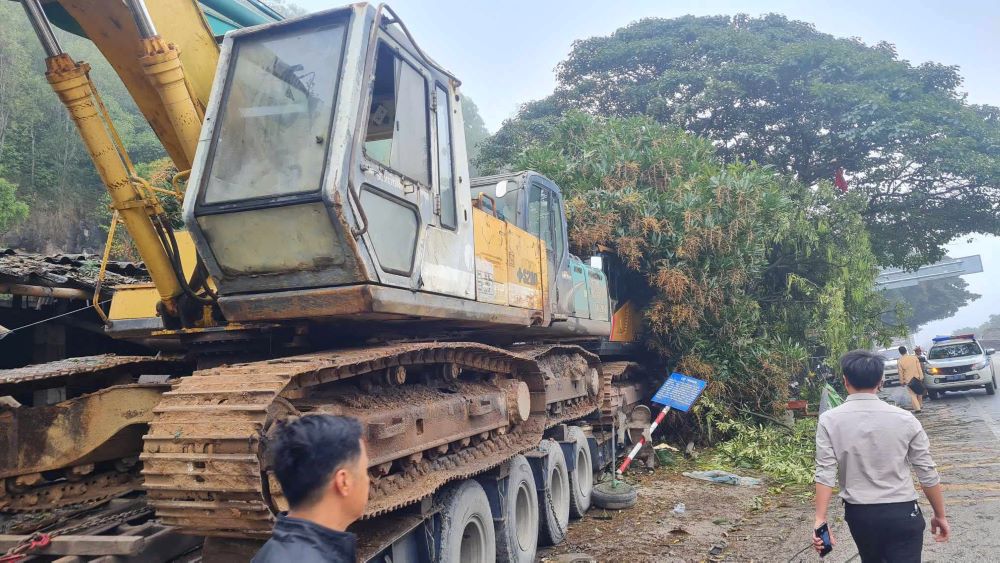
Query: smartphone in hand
{"type": "Point", "coordinates": [823, 533]}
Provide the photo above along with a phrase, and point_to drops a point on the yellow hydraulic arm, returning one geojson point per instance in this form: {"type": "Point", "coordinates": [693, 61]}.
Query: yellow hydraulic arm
{"type": "Point", "coordinates": [167, 99]}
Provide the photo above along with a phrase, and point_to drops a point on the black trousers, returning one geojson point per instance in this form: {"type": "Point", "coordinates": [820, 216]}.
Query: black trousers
{"type": "Point", "coordinates": [891, 533]}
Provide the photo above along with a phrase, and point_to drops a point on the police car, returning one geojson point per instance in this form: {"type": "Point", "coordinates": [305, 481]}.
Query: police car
{"type": "Point", "coordinates": [956, 363]}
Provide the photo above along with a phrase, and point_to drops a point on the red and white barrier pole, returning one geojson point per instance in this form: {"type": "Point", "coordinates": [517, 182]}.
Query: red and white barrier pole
{"type": "Point", "coordinates": [642, 441]}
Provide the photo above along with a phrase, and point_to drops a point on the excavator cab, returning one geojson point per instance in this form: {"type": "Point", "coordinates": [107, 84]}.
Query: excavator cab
{"type": "Point", "coordinates": [328, 157]}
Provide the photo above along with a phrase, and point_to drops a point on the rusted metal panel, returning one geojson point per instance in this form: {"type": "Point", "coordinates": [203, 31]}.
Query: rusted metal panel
{"type": "Point", "coordinates": [76, 431]}
{"type": "Point", "coordinates": [357, 301]}
{"type": "Point", "coordinates": [300, 304]}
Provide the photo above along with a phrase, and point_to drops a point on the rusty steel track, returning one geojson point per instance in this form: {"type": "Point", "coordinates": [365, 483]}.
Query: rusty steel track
{"type": "Point", "coordinates": [39, 439]}
{"type": "Point", "coordinates": [205, 462]}
{"type": "Point", "coordinates": [87, 367]}
{"type": "Point", "coordinates": [85, 491]}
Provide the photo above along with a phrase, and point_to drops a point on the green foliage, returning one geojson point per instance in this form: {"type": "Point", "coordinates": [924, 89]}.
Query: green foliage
{"type": "Point", "coordinates": [786, 456]}
{"type": "Point", "coordinates": [929, 301]}
{"type": "Point", "coordinates": [40, 149]}
{"type": "Point", "coordinates": [475, 132]}
{"type": "Point", "coordinates": [748, 271]}
{"type": "Point", "coordinates": [778, 92]}
{"type": "Point", "coordinates": [12, 210]}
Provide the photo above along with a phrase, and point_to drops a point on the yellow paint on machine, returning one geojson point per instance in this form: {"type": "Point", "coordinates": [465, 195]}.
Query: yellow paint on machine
{"type": "Point", "coordinates": [509, 263]}
{"type": "Point", "coordinates": [490, 238]}
{"type": "Point", "coordinates": [138, 301]}
{"type": "Point", "coordinates": [109, 26]}
{"type": "Point", "coordinates": [525, 272]}
{"type": "Point", "coordinates": [625, 323]}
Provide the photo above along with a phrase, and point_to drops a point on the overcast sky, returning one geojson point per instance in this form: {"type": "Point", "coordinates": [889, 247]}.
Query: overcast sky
{"type": "Point", "coordinates": [505, 53]}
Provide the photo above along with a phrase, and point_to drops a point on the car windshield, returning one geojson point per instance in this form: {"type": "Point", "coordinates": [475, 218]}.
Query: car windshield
{"type": "Point", "coordinates": [889, 354]}
{"type": "Point", "coordinates": [958, 350]}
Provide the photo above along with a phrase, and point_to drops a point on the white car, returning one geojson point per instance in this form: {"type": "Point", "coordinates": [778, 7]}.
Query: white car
{"type": "Point", "coordinates": [890, 373]}
{"type": "Point", "coordinates": [956, 363]}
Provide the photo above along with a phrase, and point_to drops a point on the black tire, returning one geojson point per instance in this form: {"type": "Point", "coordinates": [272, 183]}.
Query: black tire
{"type": "Point", "coordinates": [991, 389]}
{"type": "Point", "coordinates": [553, 495]}
{"type": "Point", "coordinates": [467, 533]}
{"type": "Point", "coordinates": [933, 395]}
{"type": "Point", "coordinates": [581, 479]}
{"type": "Point", "coordinates": [517, 532]}
{"type": "Point", "coordinates": [614, 498]}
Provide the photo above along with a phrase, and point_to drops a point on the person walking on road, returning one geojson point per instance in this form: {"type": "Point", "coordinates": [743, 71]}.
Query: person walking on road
{"type": "Point", "coordinates": [322, 465]}
{"type": "Point", "coordinates": [867, 448]}
{"type": "Point", "coordinates": [910, 369]}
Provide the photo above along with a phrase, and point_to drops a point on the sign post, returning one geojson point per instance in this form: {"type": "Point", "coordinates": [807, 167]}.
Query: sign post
{"type": "Point", "coordinates": [677, 392]}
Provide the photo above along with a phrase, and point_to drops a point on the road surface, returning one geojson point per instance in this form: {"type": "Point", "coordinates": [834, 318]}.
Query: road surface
{"type": "Point", "coordinates": [964, 430]}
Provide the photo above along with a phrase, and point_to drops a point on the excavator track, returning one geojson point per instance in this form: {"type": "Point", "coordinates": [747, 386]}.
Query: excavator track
{"type": "Point", "coordinates": [45, 460]}
{"type": "Point", "coordinates": [72, 370]}
{"type": "Point", "coordinates": [205, 458]}
{"type": "Point", "coordinates": [86, 491]}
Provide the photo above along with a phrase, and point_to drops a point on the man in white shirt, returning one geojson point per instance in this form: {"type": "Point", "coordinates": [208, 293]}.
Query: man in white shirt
{"type": "Point", "coordinates": [867, 448]}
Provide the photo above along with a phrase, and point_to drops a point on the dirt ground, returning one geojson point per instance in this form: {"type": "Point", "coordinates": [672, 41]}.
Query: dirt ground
{"type": "Point", "coordinates": [712, 521]}
{"type": "Point", "coordinates": [730, 523]}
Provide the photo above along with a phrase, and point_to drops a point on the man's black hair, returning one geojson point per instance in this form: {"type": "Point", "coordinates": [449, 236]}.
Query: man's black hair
{"type": "Point", "coordinates": [308, 451]}
{"type": "Point", "coordinates": [902, 350]}
{"type": "Point", "coordinates": [863, 369]}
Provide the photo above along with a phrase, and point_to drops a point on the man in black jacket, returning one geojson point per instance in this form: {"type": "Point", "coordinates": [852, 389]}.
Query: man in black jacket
{"type": "Point", "coordinates": [322, 465]}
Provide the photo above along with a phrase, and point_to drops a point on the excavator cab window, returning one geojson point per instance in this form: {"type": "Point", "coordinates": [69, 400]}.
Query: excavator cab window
{"type": "Point", "coordinates": [272, 137]}
{"type": "Point", "coordinates": [545, 222]}
{"type": "Point", "coordinates": [397, 135]}
{"type": "Point", "coordinates": [445, 176]}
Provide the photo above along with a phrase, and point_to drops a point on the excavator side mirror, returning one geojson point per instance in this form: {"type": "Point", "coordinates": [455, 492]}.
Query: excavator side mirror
{"type": "Point", "coordinates": [597, 262]}
{"type": "Point", "coordinates": [501, 188]}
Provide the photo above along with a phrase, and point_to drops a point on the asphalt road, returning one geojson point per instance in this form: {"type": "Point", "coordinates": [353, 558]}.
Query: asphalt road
{"type": "Point", "coordinates": [964, 429]}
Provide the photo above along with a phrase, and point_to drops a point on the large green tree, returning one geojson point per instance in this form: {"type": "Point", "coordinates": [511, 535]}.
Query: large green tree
{"type": "Point", "coordinates": [12, 209]}
{"type": "Point", "coordinates": [929, 301]}
{"type": "Point", "coordinates": [40, 150]}
{"type": "Point", "coordinates": [779, 92]}
{"type": "Point", "coordinates": [992, 325]}
{"type": "Point", "coordinates": [747, 270]}
{"type": "Point", "coordinates": [475, 132]}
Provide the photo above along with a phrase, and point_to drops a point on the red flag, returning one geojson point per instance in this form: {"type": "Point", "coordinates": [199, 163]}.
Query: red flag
{"type": "Point", "coordinates": [839, 181]}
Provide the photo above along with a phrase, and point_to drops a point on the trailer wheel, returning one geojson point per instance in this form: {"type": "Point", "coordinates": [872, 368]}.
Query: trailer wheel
{"type": "Point", "coordinates": [467, 533]}
{"type": "Point", "coordinates": [517, 532]}
{"type": "Point", "coordinates": [581, 480]}
{"type": "Point", "coordinates": [553, 495]}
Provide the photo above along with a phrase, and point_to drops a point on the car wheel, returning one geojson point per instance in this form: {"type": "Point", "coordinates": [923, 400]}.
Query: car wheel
{"type": "Point", "coordinates": [933, 395]}
{"type": "Point", "coordinates": [991, 388]}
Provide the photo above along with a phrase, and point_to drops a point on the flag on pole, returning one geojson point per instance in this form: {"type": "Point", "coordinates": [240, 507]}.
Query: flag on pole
{"type": "Point", "coordinates": [839, 180]}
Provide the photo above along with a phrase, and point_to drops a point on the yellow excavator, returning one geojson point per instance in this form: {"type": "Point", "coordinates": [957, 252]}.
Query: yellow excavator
{"type": "Point", "coordinates": [337, 258]}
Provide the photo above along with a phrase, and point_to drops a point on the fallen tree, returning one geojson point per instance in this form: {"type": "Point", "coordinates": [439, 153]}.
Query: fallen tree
{"type": "Point", "coordinates": [749, 272]}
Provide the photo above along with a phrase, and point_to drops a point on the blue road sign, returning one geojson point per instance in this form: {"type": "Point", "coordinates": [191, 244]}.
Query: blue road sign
{"type": "Point", "coordinates": [679, 392]}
